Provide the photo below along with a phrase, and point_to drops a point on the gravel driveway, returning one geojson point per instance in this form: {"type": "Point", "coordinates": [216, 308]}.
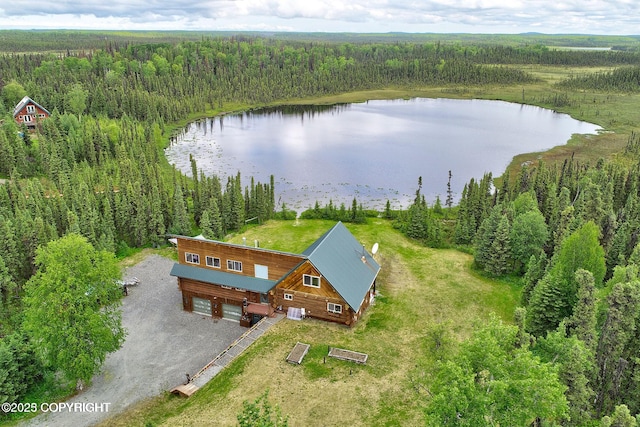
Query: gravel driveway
{"type": "Point", "coordinates": [163, 344]}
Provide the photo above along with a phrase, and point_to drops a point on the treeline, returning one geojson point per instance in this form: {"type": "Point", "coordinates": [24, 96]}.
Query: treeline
{"type": "Point", "coordinates": [623, 79]}
{"type": "Point", "coordinates": [572, 233]}
{"type": "Point", "coordinates": [87, 40]}
{"type": "Point", "coordinates": [166, 82]}
{"type": "Point", "coordinates": [355, 214]}
{"type": "Point", "coordinates": [543, 55]}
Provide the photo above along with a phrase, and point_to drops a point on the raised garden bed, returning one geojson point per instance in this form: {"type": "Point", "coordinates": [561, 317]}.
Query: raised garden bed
{"type": "Point", "coordinates": [297, 354]}
{"type": "Point", "coordinates": [351, 356]}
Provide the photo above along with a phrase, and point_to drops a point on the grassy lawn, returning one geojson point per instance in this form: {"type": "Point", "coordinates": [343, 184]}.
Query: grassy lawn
{"type": "Point", "coordinates": [419, 290]}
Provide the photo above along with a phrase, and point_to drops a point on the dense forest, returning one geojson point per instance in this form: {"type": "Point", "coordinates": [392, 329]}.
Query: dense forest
{"type": "Point", "coordinates": [96, 168]}
{"type": "Point", "coordinates": [12, 41]}
{"type": "Point", "coordinates": [571, 234]}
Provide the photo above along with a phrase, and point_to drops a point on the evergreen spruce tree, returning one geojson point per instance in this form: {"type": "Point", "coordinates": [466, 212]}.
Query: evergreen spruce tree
{"type": "Point", "coordinates": [617, 330]}
{"type": "Point", "coordinates": [7, 291]}
{"type": "Point", "coordinates": [555, 296]}
{"type": "Point", "coordinates": [216, 220]}
{"type": "Point", "coordinates": [180, 223]}
{"type": "Point", "coordinates": [535, 270]}
{"type": "Point", "coordinates": [485, 237]}
{"type": "Point", "coordinates": [387, 210]}
{"type": "Point", "coordinates": [205, 225]}
{"type": "Point", "coordinates": [582, 323]}
{"type": "Point", "coordinates": [547, 305]}
{"type": "Point", "coordinates": [499, 256]}
{"type": "Point", "coordinates": [449, 201]}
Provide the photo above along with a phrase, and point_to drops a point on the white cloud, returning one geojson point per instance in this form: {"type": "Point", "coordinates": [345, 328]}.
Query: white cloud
{"type": "Point", "coordinates": [482, 16]}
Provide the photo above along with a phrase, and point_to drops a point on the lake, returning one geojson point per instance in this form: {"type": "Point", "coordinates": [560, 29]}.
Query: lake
{"type": "Point", "coordinates": [374, 151]}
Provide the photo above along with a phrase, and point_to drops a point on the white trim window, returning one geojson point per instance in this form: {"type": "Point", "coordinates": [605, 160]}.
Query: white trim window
{"type": "Point", "coordinates": [26, 119]}
{"type": "Point", "coordinates": [226, 287]}
{"type": "Point", "coordinates": [212, 261]}
{"type": "Point", "coordinates": [311, 281]}
{"type": "Point", "coordinates": [334, 308]}
{"type": "Point", "coordinates": [192, 258]}
{"type": "Point", "coordinates": [31, 109]}
{"type": "Point", "coordinates": [234, 265]}
{"type": "Point", "coordinates": [288, 297]}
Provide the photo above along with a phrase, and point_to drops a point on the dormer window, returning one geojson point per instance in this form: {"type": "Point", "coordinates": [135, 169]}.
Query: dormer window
{"type": "Point", "coordinates": [312, 281]}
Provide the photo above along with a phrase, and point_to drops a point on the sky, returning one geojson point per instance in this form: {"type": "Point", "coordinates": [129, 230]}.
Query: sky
{"type": "Point", "coordinates": [612, 17]}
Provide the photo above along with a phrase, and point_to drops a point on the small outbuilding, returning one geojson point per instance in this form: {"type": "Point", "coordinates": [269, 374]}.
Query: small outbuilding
{"type": "Point", "coordinates": [334, 279]}
{"type": "Point", "coordinates": [29, 113]}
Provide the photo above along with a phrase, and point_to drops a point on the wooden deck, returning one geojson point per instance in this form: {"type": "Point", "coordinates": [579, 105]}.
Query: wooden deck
{"type": "Point", "coordinates": [185, 390]}
{"type": "Point", "coordinates": [297, 354]}
{"type": "Point", "coordinates": [351, 356]}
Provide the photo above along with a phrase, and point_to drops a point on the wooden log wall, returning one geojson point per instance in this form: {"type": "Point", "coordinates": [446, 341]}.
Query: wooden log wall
{"type": "Point", "coordinates": [279, 263]}
{"type": "Point", "coordinates": [294, 282]}
{"type": "Point", "coordinates": [315, 306]}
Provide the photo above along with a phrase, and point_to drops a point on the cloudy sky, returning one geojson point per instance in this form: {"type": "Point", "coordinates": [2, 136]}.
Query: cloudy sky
{"type": "Point", "coordinates": [620, 17]}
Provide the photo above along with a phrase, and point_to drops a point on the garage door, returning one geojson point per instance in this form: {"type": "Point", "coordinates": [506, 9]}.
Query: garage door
{"type": "Point", "coordinates": [230, 311]}
{"type": "Point", "coordinates": [202, 306]}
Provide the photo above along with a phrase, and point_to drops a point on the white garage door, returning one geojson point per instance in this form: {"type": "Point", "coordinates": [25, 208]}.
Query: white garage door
{"type": "Point", "coordinates": [230, 311]}
{"type": "Point", "coordinates": [202, 306]}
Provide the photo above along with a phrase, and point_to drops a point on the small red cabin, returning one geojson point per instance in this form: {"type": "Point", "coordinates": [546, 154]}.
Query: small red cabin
{"type": "Point", "coordinates": [29, 113]}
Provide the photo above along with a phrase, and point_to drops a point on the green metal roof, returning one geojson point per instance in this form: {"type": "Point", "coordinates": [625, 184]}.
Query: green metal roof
{"type": "Point", "coordinates": [338, 256]}
{"type": "Point", "coordinates": [215, 277]}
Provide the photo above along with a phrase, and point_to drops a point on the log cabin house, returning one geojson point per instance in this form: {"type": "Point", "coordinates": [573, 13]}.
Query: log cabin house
{"type": "Point", "coordinates": [334, 279]}
{"type": "Point", "coordinates": [29, 113]}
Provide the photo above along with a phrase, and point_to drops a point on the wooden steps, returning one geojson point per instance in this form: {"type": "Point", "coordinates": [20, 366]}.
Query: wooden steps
{"type": "Point", "coordinates": [185, 390]}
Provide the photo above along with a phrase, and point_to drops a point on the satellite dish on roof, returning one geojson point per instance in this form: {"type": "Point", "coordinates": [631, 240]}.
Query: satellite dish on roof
{"type": "Point", "coordinates": [374, 250]}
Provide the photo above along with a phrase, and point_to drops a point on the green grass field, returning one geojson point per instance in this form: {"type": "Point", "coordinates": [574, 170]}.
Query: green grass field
{"type": "Point", "coordinates": [421, 291]}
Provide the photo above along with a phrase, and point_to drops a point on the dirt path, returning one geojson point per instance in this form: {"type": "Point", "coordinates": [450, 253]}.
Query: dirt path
{"type": "Point", "coordinates": [163, 344]}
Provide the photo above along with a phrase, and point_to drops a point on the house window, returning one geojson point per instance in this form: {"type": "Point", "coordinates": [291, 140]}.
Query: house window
{"type": "Point", "coordinates": [31, 109]}
{"type": "Point", "coordinates": [334, 308]}
{"type": "Point", "coordinates": [309, 280]}
{"type": "Point", "coordinates": [41, 116]}
{"type": "Point", "coordinates": [288, 297]}
{"type": "Point", "coordinates": [213, 262]}
{"type": "Point", "coordinates": [192, 258]}
{"type": "Point", "coordinates": [26, 119]}
{"type": "Point", "coordinates": [225, 287]}
{"type": "Point", "coordinates": [234, 265]}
